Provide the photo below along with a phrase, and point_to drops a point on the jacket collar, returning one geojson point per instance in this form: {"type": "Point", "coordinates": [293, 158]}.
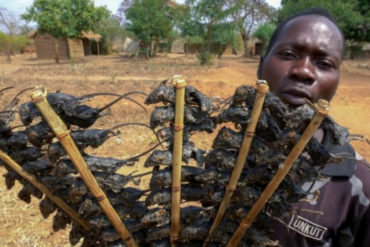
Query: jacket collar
{"type": "Point", "coordinates": [346, 168]}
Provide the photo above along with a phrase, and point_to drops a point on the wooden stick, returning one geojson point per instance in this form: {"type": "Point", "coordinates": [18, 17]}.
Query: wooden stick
{"type": "Point", "coordinates": [180, 85]}
{"type": "Point", "coordinates": [261, 91]}
{"type": "Point", "coordinates": [33, 180]}
{"type": "Point", "coordinates": [322, 109]}
{"type": "Point", "coordinates": [60, 130]}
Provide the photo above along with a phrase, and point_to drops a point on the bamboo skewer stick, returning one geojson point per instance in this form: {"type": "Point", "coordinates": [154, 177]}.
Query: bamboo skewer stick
{"type": "Point", "coordinates": [33, 180]}
{"type": "Point", "coordinates": [261, 91]}
{"type": "Point", "coordinates": [180, 85]}
{"type": "Point", "coordinates": [60, 130]}
{"type": "Point", "coordinates": [322, 110]}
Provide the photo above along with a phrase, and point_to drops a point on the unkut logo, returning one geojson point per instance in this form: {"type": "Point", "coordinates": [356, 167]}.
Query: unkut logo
{"type": "Point", "coordinates": [307, 228]}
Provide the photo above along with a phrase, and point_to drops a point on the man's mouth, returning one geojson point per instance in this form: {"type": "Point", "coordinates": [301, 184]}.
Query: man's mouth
{"type": "Point", "coordinates": [295, 96]}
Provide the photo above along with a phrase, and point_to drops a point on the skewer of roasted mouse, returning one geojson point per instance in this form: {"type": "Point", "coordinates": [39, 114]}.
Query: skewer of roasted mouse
{"type": "Point", "coordinates": [35, 149]}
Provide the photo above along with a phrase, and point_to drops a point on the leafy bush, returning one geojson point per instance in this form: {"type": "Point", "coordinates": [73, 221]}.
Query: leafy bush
{"type": "Point", "coordinates": [110, 30]}
{"type": "Point", "coordinates": [205, 58]}
{"type": "Point", "coordinates": [354, 50]}
{"type": "Point", "coordinates": [150, 21]}
{"type": "Point", "coordinates": [224, 36]}
{"type": "Point", "coordinates": [12, 45]}
{"type": "Point", "coordinates": [264, 33]}
{"type": "Point", "coordinates": [4, 41]}
{"type": "Point", "coordinates": [21, 42]}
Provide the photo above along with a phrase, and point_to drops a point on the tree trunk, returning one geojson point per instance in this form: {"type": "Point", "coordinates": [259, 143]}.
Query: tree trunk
{"type": "Point", "coordinates": [169, 47]}
{"type": "Point", "coordinates": [148, 50]}
{"type": "Point", "coordinates": [8, 58]}
{"type": "Point", "coordinates": [90, 48]}
{"type": "Point", "coordinates": [221, 51]}
{"type": "Point", "coordinates": [56, 46]}
{"type": "Point", "coordinates": [155, 47]}
{"type": "Point", "coordinates": [208, 37]}
{"type": "Point", "coordinates": [10, 49]}
{"type": "Point", "coordinates": [245, 43]}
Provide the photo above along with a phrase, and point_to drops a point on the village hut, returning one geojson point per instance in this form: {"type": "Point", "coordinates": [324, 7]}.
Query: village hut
{"type": "Point", "coordinates": [359, 51]}
{"type": "Point", "coordinates": [67, 48]}
{"type": "Point", "coordinates": [178, 46]}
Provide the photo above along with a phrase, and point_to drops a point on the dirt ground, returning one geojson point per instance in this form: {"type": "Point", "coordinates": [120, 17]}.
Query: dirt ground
{"type": "Point", "coordinates": [21, 224]}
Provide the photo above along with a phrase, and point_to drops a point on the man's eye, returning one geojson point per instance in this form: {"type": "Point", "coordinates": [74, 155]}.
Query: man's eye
{"type": "Point", "coordinates": [324, 64]}
{"type": "Point", "coordinates": [287, 54]}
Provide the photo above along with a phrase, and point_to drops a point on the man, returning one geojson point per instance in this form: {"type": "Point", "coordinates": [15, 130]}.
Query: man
{"type": "Point", "coordinates": [303, 62]}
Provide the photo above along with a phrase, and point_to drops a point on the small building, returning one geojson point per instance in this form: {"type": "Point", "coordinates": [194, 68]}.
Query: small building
{"type": "Point", "coordinates": [178, 46]}
{"type": "Point", "coordinates": [67, 48]}
{"type": "Point", "coordinates": [131, 46]}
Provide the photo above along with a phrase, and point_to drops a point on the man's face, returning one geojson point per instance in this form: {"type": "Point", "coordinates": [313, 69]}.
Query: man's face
{"type": "Point", "coordinates": [305, 60]}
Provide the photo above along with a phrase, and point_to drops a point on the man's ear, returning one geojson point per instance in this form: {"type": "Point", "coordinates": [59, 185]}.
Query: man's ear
{"type": "Point", "coordinates": [259, 70]}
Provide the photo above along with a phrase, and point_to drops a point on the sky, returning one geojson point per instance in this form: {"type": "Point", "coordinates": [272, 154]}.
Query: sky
{"type": "Point", "coordinates": [19, 6]}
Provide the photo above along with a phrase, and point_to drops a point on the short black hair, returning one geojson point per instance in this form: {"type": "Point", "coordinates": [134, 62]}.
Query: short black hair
{"type": "Point", "coordinates": [312, 11]}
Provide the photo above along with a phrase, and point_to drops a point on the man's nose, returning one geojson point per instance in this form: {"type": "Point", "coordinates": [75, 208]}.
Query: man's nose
{"type": "Point", "coordinates": [302, 70]}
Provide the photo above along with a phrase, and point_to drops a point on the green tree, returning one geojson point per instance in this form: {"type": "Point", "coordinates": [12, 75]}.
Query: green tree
{"type": "Point", "coordinates": [109, 28]}
{"type": "Point", "coordinates": [264, 33]}
{"type": "Point", "coordinates": [224, 36]}
{"type": "Point", "coordinates": [190, 28]}
{"type": "Point", "coordinates": [248, 14]}
{"type": "Point", "coordinates": [151, 21]}
{"type": "Point", "coordinates": [11, 44]}
{"type": "Point", "coordinates": [205, 16]}
{"type": "Point", "coordinates": [194, 32]}
{"type": "Point", "coordinates": [5, 45]}
{"type": "Point", "coordinates": [353, 16]}
{"type": "Point", "coordinates": [63, 18]}
{"type": "Point", "coordinates": [363, 29]}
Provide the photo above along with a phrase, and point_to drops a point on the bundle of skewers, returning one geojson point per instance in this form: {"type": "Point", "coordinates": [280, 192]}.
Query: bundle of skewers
{"type": "Point", "coordinates": [258, 135]}
{"type": "Point", "coordinates": [225, 196]}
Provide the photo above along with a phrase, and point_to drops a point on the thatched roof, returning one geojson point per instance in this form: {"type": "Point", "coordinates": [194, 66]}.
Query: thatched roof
{"type": "Point", "coordinates": [91, 35]}
{"type": "Point", "coordinates": [32, 34]}
{"type": "Point", "coordinates": [85, 35]}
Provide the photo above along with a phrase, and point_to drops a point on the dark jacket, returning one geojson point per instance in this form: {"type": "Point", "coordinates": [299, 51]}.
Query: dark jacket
{"type": "Point", "coordinates": [336, 213]}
